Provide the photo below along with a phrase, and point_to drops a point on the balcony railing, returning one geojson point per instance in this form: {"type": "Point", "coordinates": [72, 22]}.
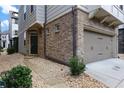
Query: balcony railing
{"type": "Point", "coordinates": [115, 11]}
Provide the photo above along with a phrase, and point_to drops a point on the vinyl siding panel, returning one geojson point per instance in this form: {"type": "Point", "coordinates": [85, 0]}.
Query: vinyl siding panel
{"type": "Point", "coordinates": [30, 17]}
{"type": "Point", "coordinates": [40, 13]}
{"type": "Point", "coordinates": [21, 19]}
{"type": "Point", "coordinates": [54, 11]}
{"type": "Point", "coordinates": [22, 48]}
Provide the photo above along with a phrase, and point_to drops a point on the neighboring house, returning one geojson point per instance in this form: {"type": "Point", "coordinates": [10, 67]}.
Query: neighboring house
{"type": "Point", "coordinates": [121, 39]}
{"type": "Point", "coordinates": [4, 39]}
{"type": "Point", "coordinates": [13, 29]}
{"type": "Point", "coordinates": [121, 36]}
{"type": "Point", "coordinates": [0, 34]}
{"type": "Point", "coordinates": [59, 32]}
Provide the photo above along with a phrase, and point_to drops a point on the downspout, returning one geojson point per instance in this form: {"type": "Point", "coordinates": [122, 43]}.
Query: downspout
{"type": "Point", "coordinates": [45, 22]}
{"type": "Point", "coordinates": [74, 30]}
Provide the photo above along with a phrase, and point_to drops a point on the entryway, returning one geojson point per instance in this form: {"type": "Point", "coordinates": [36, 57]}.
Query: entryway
{"type": "Point", "coordinates": [34, 43]}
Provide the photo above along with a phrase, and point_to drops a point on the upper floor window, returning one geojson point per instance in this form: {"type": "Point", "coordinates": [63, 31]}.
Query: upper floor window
{"type": "Point", "coordinates": [121, 7]}
{"type": "Point", "coordinates": [3, 37]}
{"type": "Point", "coordinates": [24, 12]}
{"type": "Point", "coordinates": [32, 8]}
{"type": "Point", "coordinates": [15, 21]}
{"type": "Point", "coordinates": [16, 32]}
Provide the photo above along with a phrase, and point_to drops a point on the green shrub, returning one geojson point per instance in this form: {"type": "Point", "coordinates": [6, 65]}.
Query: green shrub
{"type": "Point", "coordinates": [1, 49]}
{"type": "Point", "coordinates": [18, 77]}
{"type": "Point", "coordinates": [76, 67]}
{"type": "Point", "coordinates": [11, 50]}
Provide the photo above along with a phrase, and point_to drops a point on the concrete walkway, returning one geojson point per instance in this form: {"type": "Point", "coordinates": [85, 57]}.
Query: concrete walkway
{"type": "Point", "coordinates": [109, 72]}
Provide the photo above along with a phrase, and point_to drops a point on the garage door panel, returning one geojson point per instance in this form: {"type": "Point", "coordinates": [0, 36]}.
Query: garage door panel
{"type": "Point", "coordinates": [97, 46]}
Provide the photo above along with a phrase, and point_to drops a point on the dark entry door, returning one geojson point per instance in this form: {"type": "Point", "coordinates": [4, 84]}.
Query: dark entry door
{"type": "Point", "coordinates": [34, 44]}
{"type": "Point", "coordinates": [4, 44]}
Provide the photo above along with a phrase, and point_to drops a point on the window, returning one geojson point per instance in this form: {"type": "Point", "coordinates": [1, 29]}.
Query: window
{"type": "Point", "coordinates": [15, 21]}
{"type": "Point", "coordinates": [3, 37]}
{"type": "Point", "coordinates": [16, 32]}
{"type": "Point", "coordinates": [32, 8]}
{"type": "Point", "coordinates": [57, 27]}
{"type": "Point", "coordinates": [24, 12]}
{"type": "Point", "coordinates": [121, 7]}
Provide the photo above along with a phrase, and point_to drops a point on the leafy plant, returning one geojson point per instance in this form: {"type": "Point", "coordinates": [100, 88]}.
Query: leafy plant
{"type": "Point", "coordinates": [11, 50]}
{"type": "Point", "coordinates": [1, 49]}
{"type": "Point", "coordinates": [18, 77]}
{"type": "Point", "coordinates": [76, 67]}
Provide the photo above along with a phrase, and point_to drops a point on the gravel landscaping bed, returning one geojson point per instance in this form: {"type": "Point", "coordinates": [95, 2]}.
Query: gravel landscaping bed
{"type": "Point", "coordinates": [49, 74]}
{"type": "Point", "coordinates": [84, 81]}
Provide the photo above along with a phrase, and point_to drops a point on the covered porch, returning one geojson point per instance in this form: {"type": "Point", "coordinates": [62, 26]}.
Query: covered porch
{"type": "Point", "coordinates": [35, 40]}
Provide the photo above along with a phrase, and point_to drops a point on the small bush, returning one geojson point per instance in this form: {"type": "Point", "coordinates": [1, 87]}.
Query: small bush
{"type": "Point", "coordinates": [11, 50]}
{"type": "Point", "coordinates": [1, 49]}
{"type": "Point", "coordinates": [76, 67]}
{"type": "Point", "coordinates": [18, 77]}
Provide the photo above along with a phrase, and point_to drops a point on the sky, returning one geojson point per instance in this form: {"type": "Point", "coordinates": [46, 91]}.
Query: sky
{"type": "Point", "coordinates": [4, 15]}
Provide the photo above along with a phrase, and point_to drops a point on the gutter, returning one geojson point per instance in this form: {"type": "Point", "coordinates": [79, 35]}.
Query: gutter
{"type": "Point", "coordinates": [45, 31]}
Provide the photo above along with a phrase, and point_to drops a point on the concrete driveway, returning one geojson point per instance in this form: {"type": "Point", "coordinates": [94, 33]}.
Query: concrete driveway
{"type": "Point", "coordinates": [110, 72]}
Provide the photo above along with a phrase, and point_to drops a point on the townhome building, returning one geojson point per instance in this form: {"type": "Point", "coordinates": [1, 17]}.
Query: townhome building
{"type": "Point", "coordinates": [58, 32]}
{"type": "Point", "coordinates": [4, 39]}
{"type": "Point", "coordinates": [121, 39]}
{"type": "Point", "coordinates": [0, 34]}
{"type": "Point", "coordinates": [13, 29]}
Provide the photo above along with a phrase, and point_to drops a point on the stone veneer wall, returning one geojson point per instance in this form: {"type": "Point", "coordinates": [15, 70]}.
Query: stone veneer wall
{"type": "Point", "coordinates": [82, 20]}
{"type": "Point", "coordinates": [59, 45]}
{"type": "Point", "coordinates": [41, 43]}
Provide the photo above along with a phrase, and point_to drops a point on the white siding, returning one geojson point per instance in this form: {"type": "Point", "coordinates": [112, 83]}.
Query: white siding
{"type": "Point", "coordinates": [115, 11]}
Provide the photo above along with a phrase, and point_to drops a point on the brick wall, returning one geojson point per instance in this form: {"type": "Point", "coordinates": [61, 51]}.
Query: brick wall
{"type": "Point", "coordinates": [59, 45]}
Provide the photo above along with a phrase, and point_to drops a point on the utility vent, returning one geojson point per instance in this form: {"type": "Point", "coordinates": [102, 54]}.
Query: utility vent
{"type": "Point", "coordinates": [57, 27]}
{"type": "Point", "coordinates": [100, 54]}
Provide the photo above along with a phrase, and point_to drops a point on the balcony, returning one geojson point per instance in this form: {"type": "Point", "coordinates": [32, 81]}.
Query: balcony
{"type": "Point", "coordinates": [111, 15]}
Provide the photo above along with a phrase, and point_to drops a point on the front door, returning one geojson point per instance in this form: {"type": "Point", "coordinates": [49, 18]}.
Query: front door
{"type": "Point", "coordinates": [4, 44]}
{"type": "Point", "coordinates": [34, 43]}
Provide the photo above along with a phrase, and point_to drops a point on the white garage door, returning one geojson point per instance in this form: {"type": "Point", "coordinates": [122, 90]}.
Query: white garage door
{"type": "Point", "coordinates": [97, 46]}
